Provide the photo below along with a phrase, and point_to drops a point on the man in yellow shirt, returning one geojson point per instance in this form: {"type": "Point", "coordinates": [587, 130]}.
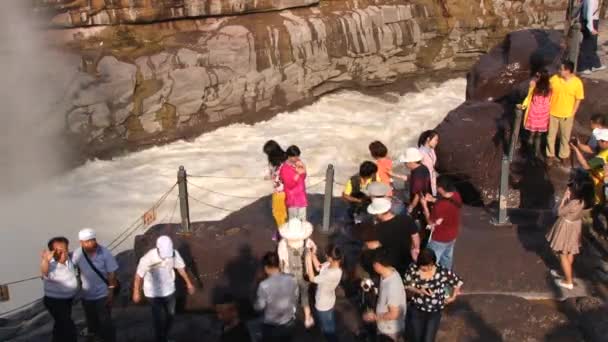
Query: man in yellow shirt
{"type": "Point", "coordinates": [566, 95]}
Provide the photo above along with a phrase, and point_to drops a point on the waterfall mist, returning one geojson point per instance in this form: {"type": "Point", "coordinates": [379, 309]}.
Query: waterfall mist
{"type": "Point", "coordinates": [34, 79]}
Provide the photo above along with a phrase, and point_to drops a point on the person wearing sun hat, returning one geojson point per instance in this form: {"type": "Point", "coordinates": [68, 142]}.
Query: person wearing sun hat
{"type": "Point", "coordinates": [295, 243]}
{"type": "Point", "coordinates": [381, 190]}
{"type": "Point", "coordinates": [419, 183]}
{"type": "Point", "coordinates": [398, 235]}
{"type": "Point", "coordinates": [156, 270]}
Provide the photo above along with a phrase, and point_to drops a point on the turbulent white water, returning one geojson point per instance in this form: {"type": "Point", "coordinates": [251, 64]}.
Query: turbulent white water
{"type": "Point", "coordinates": [109, 195]}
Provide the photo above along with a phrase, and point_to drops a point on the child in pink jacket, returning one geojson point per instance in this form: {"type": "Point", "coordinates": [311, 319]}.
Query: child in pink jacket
{"type": "Point", "coordinates": [293, 175]}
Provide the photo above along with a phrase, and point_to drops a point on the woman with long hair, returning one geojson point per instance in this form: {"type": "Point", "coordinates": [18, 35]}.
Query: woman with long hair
{"type": "Point", "coordinates": [276, 159]}
{"type": "Point", "coordinates": [427, 143]}
{"type": "Point", "coordinates": [536, 105]}
{"type": "Point", "coordinates": [565, 235]}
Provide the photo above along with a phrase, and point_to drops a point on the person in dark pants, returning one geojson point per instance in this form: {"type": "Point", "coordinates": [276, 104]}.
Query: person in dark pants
{"type": "Point", "coordinates": [156, 271]}
{"type": "Point", "coordinates": [589, 61]}
{"type": "Point", "coordinates": [428, 294]}
{"type": "Point", "coordinates": [60, 288]}
{"type": "Point", "coordinates": [97, 268]}
{"type": "Point", "coordinates": [277, 297]}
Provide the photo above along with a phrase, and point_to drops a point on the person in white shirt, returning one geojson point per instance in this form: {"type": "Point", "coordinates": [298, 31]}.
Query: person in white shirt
{"type": "Point", "coordinates": [60, 288]}
{"type": "Point", "coordinates": [391, 304]}
{"type": "Point", "coordinates": [589, 60]}
{"type": "Point", "coordinates": [328, 279]}
{"type": "Point", "coordinates": [97, 268]}
{"type": "Point", "coordinates": [156, 270]}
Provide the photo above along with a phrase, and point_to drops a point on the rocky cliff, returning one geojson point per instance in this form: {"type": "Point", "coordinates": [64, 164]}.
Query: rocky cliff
{"type": "Point", "coordinates": [152, 83]}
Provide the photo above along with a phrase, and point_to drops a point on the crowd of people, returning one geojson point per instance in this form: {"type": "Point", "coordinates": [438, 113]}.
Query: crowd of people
{"type": "Point", "coordinates": [406, 239]}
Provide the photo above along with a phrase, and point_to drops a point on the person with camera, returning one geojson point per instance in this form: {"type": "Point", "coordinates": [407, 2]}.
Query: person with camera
{"type": "Point", "coordinates": [598, 121]}
{"type": "Point", "coordinates": [60, 279]}
{"type": "Point", "coordinates": [354, 191]}
{"type": "Point", "coordinates": [98, 269]}
{"type": "Point", "coordinates": [391, 304]}
{"type": "Point", "coordinates": [428, 282]}
{"type": "Point", "coordinates": [595, 167]}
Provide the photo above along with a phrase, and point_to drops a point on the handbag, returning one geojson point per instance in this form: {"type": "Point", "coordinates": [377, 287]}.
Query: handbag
{"type": "Point", "coordinates": [116, 289]}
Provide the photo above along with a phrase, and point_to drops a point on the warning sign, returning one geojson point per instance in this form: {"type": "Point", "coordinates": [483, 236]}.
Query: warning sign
{"type": "Point", "coordinates": [149, 217]}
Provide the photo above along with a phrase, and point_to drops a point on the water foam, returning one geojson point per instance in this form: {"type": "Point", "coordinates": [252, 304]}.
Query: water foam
{"type": "Point", "coordinates": [108, 195]}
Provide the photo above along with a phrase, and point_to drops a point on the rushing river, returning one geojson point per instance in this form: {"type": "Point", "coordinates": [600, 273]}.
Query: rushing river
{"type": "Point", "coordinates": [109, 195]}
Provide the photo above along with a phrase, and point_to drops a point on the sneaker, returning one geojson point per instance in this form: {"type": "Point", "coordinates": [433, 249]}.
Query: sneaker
{"type": "Point", "coordinates": [563, 284]}
{"type": "Point", "coordinates": [309, 323]}
{"type": "Point", "coordinates": [555, 274]}
{"type": "Point", "coordinates": [603, 67]}
{"type": "Point", "coordinates": [586, 72]}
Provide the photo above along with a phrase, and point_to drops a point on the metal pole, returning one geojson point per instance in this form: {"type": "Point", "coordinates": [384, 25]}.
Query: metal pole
{"type": "Point", "coordinates": [327, 200]}
{"type": "Point", "coordinates": [502, 218]}
{"type": "Point", "coordinates": [183, 199]}
{"type": "Point", "coordinates": [515, 133]}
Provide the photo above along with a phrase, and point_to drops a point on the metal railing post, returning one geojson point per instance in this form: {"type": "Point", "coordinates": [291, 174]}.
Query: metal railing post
{"type": "Point", "coordinates": [515, 133]}
{"type": "Point", "coordinates": [327, 200]}
{"type": "Point", "coordinates": [182, 182]}
{"type": "Point", "coordinates": [502, 218]}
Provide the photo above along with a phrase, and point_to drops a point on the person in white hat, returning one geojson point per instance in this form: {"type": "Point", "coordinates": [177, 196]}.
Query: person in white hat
{"type": "Point", "coordinates": [381, 190]}
{"type": "Point", "coordinates": [292, 249]}
{"type": "Point", "coordinates": [97, 268]}
{"type": "Point", "coordinates": [156, 270]}
{"type": "Point", "coordinates": [398, 235]}
{"type": "Point", "coordinates": [419, 183]}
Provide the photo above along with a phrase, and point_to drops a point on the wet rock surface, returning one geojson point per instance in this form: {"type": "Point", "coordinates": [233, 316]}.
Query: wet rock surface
{"type": "Point", "coordinates": [138, 85]}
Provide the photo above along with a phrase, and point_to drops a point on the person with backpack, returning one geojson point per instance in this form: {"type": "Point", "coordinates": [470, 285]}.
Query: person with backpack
{"type": "Point", "coordinates": [444, 221]}
{"type": "Point", "coordinates": [354, 191]}
{"type": "Point", "coordinates": [292, 249]}
{"type": "Point", "coordinates": [156, 271]}
{"type": "Point", "coordinates": [97, 268]}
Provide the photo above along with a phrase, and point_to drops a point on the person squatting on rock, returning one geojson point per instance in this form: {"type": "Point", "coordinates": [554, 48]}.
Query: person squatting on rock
{"type": "Point", "coordinates": [276, 159]}
{"type": "Point", "coordinates": [444, 221]}
{"type": "Point", "coordinates": [97, 268]}
{"type": "Point", "coordinates": [595, 167]}
{"type": "Point", "coordinates": [327, 280]}
{"type": "Point", "coordinates": [597, 121]}
{"type": "Point", "coordinates": [60, 278]}
{"type": "Point", "coordinates": [277, 297]}
{"type": "Point", "coordinates": [537, 107]}
{"type": "Point", "coordinates": [293, 176]}
{"type": "Point", "coordinates": [292, 249]}
{"type": "Point", "coordinates": [565, 235]}
{"type": "Point", "coordinates": [391, 304]}
{"type": "Point", "coordinates": [566, 95]}
{"type": "Point", "coordinates": [354, 191]}
{"type": "Point", "coordinates": [589, 61]}
{"type": "Point", "coordinates": [156, 270]}
{"type": "Point", "coordinates": [419, 183]}
{"type": "Point", "coordinates": [427, 143]}
{"type": "Point", "coordinates": [427, 283]}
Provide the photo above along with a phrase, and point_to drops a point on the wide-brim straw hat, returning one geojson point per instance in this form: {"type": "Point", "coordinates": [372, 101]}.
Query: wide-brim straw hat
{"type": "Point", "coordinates": [296, 229]}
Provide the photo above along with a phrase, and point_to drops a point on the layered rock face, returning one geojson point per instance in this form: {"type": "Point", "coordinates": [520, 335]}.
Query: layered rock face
{"type": "Point", "coordinates": [148, 84]}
